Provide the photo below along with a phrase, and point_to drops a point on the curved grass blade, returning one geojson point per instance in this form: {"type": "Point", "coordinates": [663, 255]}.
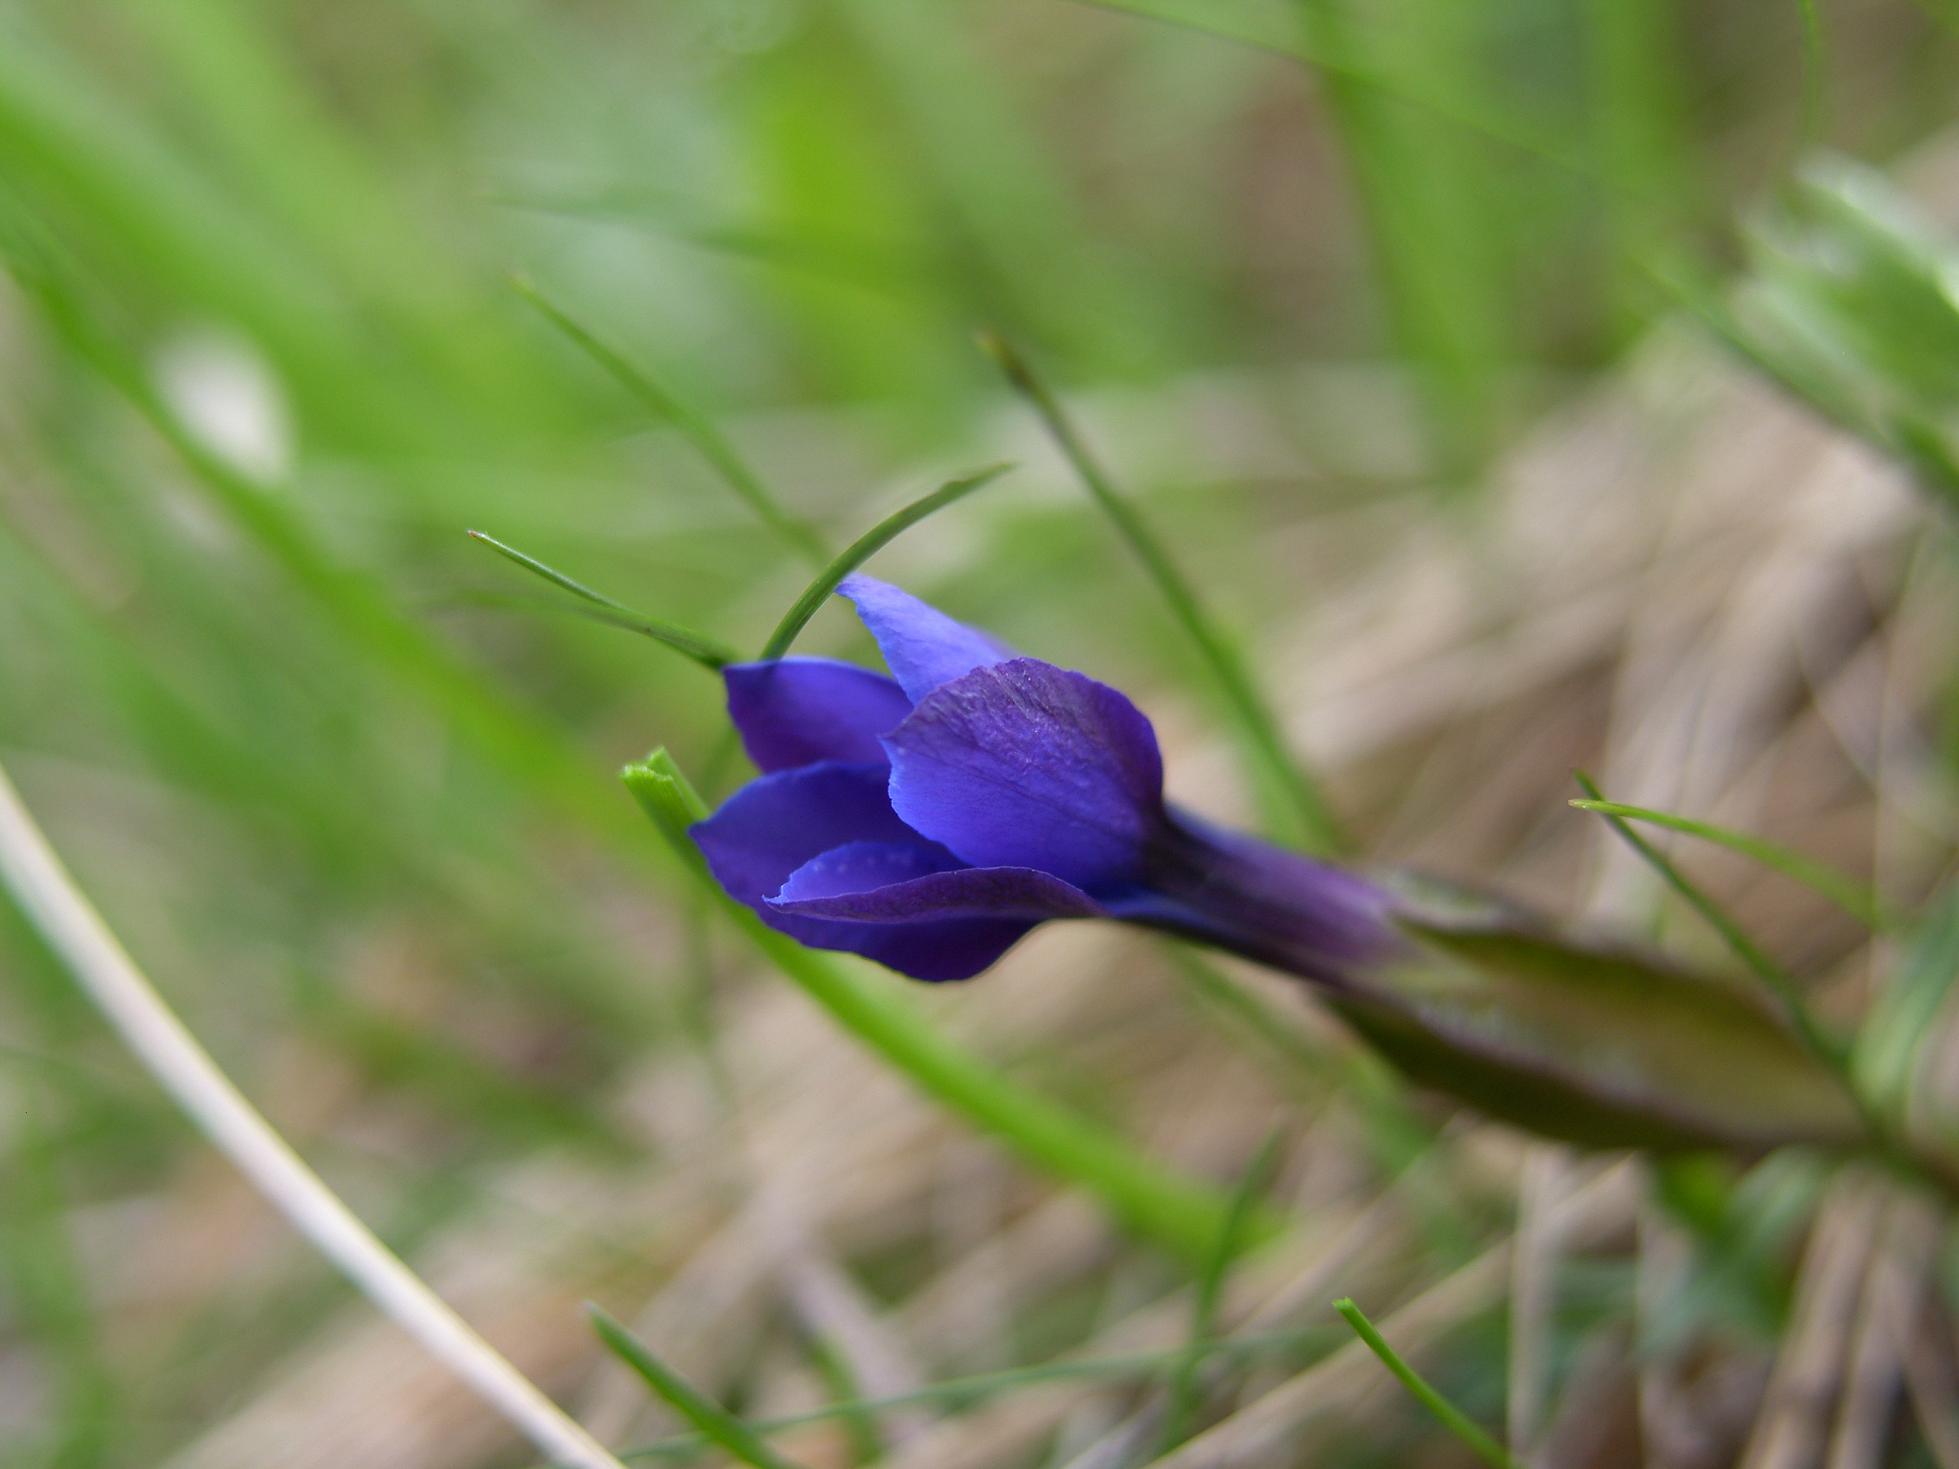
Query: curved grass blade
{"type": "Point", "coordinates": [715, 1422]}
{"type": "Point", "coordinates": [1826, 1047]}
{"type": "Point", "coordinates": [33, 877]}
{"type": "Point", "coordinates": [712, 445]}
{"type": "Point", "coordinates": [955, 1394]}
{"type": "Point", "coordinates": [1447, 1413]}
{"type": "Point", "coordinates": [1210, 1290]}
{"type": "Point", "coordinates": [867, 545]}
{"type": "Point", "coordinates": [1851, 896]}
{"type": "Point", "coordinates": [1892, 1044]}
{"type": "Point", "coordinates": [1473, 116]}
{"type": "Point", "coordinates": [1888, 1142]}
{"type": "Point", "coordinates": [703, 649]}
{"type": "Point", "coordinates": [350, 596]}
{"type": "Point", "coordinates": [1302, 813]}
{"type": "Point", "coordinates": [1178, 1213]}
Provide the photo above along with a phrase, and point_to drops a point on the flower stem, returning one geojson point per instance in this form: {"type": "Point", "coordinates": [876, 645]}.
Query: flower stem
{"type": "Point", "coordinates": [75, 932]}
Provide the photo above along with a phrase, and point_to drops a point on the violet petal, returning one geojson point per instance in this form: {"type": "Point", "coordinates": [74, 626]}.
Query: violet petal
{"type": "Point", "coordinates": [797, 711]}
{"type": "Point", "coordinates": [870, 882]}
{"type": "Point", "coordinates": [922, 647]}
{"type": "Point", "coordinates": [776, 823]}
{"type": "Point", "coordinates": [1023, 764]}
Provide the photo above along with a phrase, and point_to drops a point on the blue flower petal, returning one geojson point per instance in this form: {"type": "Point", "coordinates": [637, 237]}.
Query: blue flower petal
{"type": "Point", "coordinates": [922, 647]}
{"type": "Point", "coordinates": [1023, 764]}
{"type": "Point", "coordinates": [797, 711]}
{"type": "Point", "coordinates": [873, 882]}
{"type": "Point", "coordinates": [773, 825]}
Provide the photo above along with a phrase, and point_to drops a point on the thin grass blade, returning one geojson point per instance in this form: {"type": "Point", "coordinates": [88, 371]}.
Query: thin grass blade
{"type": "Point", "coordinates": [1298, 810]}
{"type": "Point", "coordinates": [704, 650]}
{"type": "Point", "coordinates": [1826, 1047]}
{"type": "Point", "coordinates": [714, 1422]}
{"type": "Point", "coordinates": [698, 429]}
{"type": "Point", "coordinates": [867, 545]}
{"type": "Point", "coordinates": [1474, 1438]}
{"type": "Point", "coordinates": [1210, 1291]}
{"type": "Point", "coordinates": [1851, 896]}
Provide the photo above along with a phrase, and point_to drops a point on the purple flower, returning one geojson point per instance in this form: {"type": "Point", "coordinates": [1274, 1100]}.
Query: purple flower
{"type": "Point", "coordinates": [930, 819]}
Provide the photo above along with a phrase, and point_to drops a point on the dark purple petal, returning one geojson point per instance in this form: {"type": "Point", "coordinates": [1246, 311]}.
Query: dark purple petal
{"type": "Point", "coordinates": [955, 948]}
{"type": "Point", "coordinates": [797, 711]}
{"type": "Point", "coordinates": [871, 882]}
{"type": "Point", "coordinates": [1023, 764]}
{"type": "Point", "coordinates": [922, 647]}
{"type": "Point", "coordinates": [772, 826]}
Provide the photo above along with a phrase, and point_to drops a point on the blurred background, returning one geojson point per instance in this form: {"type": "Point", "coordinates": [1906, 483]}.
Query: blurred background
{"type": "Point", "coordinates": [1526, 386]}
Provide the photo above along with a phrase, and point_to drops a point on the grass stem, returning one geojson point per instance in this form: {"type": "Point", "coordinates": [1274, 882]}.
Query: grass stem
{"type": "Point", "coordinates": [1306, 817]}
{"type": "Point", "coordinates": [864, 547]}
{"type": "Point", "coordinates": [712, 1421]}
{"type": "Point", "coordinates": [59, 912]}
{"type": "Point", "coordinates": [698, 429]}
{"type": "Point", "coordinates": [1852, 897]}
{"type": "Point", "coordinates": [704, 650]}
{"type": "Point", "coordinates": [1447, 1413]}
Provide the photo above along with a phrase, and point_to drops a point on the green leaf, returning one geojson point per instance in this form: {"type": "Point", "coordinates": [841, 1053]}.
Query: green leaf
{"type": "Point", "coordinates": [1591, 1044]}
{"type": "Point", "coordinates": [698, 429]}
{"type": "Point", "coordinates": [1210, 1290]}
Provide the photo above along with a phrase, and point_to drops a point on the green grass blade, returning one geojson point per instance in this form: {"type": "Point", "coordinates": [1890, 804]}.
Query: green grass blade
{"type": "Point", "coordinates": [714, 1422]}
{"type": "Point", "coordinates": [1816, 76]}
{"type": "Point", "coordinates": [1447, 1413]}
{"type": "Point", "coordinates": [1416, 184]}
{"type": "Point", "coordinates": [1299, 811]}
{"type": "Point", "coordinates": [698, 429]}
{"type": "Point", "coordinates": [867, 545]}
{"type": "Point", "coordinates": [352, 598]}
{"type": "Point", "coordinates": [1825, 1046]}
{"type": "Point", "coordinates": [1210, 1292]}
{"type": "Point", "coordinates": [53, 1317]}
{"type": "Point", "coordinates": [1851, 896]}
{"type": "Point", "coordinates": [1829, 1049]}
{"type": "Point", "coordinates": [956, 1393]}
{"type": "Point", "coordinates": [1183, 1216]}
{"type": "Point", "coordinates": [1272, 32]}
{"type": "Point", "coordinates": [1894, 1035]}
{"type": "Point", "coordinates": [703, 649]}
{"type": "Point", "coordinates": [1640, 133]}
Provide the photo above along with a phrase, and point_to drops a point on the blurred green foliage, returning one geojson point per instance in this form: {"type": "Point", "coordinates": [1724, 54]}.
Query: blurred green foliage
{"type": "Point", "coordinates": [261, 366]}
